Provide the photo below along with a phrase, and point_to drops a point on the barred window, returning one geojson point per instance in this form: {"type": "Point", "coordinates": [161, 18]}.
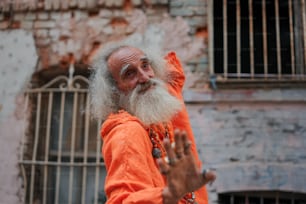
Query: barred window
{"type": "Point", "coordinates": [258, 40]}
{"type": "Point", "coordinates": [61, 158]}
{"type": "Point", "coordinates": [262, 198]}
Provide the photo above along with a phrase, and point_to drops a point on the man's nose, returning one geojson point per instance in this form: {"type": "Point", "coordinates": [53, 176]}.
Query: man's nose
{"type": "Point", "coordinates": [143, 76]}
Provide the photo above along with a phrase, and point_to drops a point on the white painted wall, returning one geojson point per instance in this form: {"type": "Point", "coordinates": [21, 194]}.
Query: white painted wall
{"type": "Point", "coordinates": [17, 62]}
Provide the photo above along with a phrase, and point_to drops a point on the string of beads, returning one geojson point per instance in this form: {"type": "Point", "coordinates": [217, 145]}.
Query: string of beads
{"type": "Point", "coordinates": [157, 134]}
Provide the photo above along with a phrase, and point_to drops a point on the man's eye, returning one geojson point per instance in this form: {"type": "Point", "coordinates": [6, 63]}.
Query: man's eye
{"type": "Point", "coordinates": [129, 74]}
{"type": "Point", "coordinates": [145, 65]}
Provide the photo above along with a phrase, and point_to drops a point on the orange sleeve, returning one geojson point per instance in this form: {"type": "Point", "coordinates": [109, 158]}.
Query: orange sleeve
{"type": "Point", "coordinates": [176, 83]}
{"type": "Point", "coordinates": [175, 74]}
{"type": "Point", "coordinates": [133, 176]}
{"type": "Point", "coordinates": [181, 120]}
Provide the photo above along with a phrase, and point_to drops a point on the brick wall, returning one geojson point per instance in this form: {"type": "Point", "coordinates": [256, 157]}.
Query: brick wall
{"type": "Point", "coordinates": [62, 28]}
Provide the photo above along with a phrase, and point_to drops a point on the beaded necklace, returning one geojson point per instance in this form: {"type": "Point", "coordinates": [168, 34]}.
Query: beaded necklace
{"type": "Point", "coordinates": [157, 133]}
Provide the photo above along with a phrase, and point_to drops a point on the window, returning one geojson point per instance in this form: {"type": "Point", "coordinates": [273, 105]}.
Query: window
{"type": "Point", "coordinates": [258, 40]}
{"type": "Point", "coordinates": [61, 160]}
{"type": "Point", "coordinates": [262, 198]}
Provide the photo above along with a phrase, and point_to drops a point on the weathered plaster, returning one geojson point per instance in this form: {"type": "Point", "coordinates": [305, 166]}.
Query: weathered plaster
{"type": "Point", "coordinates": [256, 145]}
{"type": "Point", "coordinates": [78, 36]}
{"type": "Point", "coordinates": [18, 58]}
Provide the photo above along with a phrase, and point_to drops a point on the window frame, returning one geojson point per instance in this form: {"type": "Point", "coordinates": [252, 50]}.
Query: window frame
{"type": "Point", "coordinates": [293, 80]}
{"type": "Point", "coordinates": [36, 155]}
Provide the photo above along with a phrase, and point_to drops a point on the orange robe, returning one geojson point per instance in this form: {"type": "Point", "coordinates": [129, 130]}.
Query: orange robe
{"type": "Point", "coordinates": [132, 173]}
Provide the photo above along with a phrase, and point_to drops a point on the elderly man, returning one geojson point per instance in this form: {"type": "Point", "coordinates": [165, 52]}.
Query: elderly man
{"type": "Point", "coordinates": [148, 145]}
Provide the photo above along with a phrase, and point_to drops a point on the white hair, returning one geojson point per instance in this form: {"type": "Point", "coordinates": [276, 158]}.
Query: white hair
{"type": "Point", "coordinates": [103, 92]}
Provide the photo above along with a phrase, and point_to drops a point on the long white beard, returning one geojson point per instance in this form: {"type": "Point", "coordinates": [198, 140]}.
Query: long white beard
{"type": "Point", "coordinates": [155, 105]}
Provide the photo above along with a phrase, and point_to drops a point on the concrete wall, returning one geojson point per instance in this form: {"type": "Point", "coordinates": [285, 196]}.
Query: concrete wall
{"type": "Point", "coordinates": [18, 58]}
{"type": "Point", "coordinates": [255, 139]}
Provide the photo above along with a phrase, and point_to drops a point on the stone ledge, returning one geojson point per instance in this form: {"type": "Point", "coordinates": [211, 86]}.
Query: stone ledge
{"type": "Point", "coordinates": [245, 95]}
{"type": "Point", "coordinates": [261, 176]}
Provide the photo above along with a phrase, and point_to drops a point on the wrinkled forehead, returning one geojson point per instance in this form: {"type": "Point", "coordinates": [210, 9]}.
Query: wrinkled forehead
{"type": "Point", "coordinates": [124, 56]}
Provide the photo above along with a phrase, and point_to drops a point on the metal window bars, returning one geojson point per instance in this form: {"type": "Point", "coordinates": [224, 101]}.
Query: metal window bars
{"type": "Point", "coordinates": [261, 197]}
{"type": "Point", "coordinates": [257, 39]}
{"type": "Point", "coordinates": [60, 156]}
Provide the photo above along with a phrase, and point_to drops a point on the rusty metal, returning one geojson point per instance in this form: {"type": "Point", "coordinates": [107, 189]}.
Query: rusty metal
{"type": "Point", "coordinates": [50, 104]}
{"type": "Point", "coordinates": [34, 155]}
{"type": "Point", "coordinates": [264, 35]}
{"type": "Point", "coordinates": [225, 33]}
{"type": "Point", "coordinates": [291, 37]}
{"type": "Point", "coordinates": [278, 40]}
{"type": "Point", "coordinates": [59, 153]}
{"type": "Point", "coordinates": [304, 33]}
{"type": "Point", "coordinates": [252, 64]}
{"type": "Point", "coordinates": [211, 36]}
{"type": "Point", "coordinates": [238, 37]}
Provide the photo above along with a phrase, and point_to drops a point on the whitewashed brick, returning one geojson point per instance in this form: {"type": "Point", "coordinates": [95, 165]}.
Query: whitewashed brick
{"type": "Point", "coordinates": [42, 42]}
{"type": "Point", "coordinates": [136, 2]}
{"type": "Point", "coordinates": [82, 3]}
{"type": "Point", "coordinates": [47, 5]}
{"type": "Point", "coordinates": [91, 3]}
{"type": "Point", "coordinates": [44, 24]}
{"type": "Point", "coordinates": [181, 11]}
{"type": "Point", "coordinates": [43, 16]}
{"type": "Point", "coordinates": [65, 15]}
{"type": "Point", "coordinates": [105, 13]}
{"type": "Point", "coordinates": [41, 33]}
{"type": "Point", "coordinates": [27, 25]}
{"type": "Point", "coordinates": [54, 34]}
{"type": "Point", "coordinates": [54, 58]}
{"type": "Point", "coordinates": [4, 25]}
{"type": "Point", "coordinates": [70, 46]}
{"type": "Point", "coordinates": [54, 47]}
{"type": "Point", "coordinates": [110, 3]}
{"type": "Point", "coordinates": [97, 23]}
{"type": "Point", "coordinates": [65, 32]}
{"type": "Point", "coordinates": [80, 15]}
{"type": "Point", "coordinates": [61, 49]}
{"type": "Point", "coordinates": [55, 4]}
{"type": "Point", "coordinates": [30, 16]}
{"type": "Point", "coordinates": [73, 3]}
{"type": "Point", "coordinates": [19, 16]}
{"type": "Point", "coordinates": [119, 3]}
{"type": "Point", "coordinates": [108, 30]}
{"type": "Point", "coordinates": [119, 13]}
{"type": "Point", "coordinates": [100, 2]}
{"type": "Point", "coordinates": [55, 15]}
{"type": "Point", "coordinates": [64, 4]}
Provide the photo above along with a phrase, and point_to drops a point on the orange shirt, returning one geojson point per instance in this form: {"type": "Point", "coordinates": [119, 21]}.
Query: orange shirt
{"type": "Point", "coordinates": [132, 173]}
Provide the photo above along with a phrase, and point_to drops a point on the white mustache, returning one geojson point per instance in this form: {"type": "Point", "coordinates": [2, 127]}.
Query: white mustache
{"type": "Point", "coordinates": [145, 86]}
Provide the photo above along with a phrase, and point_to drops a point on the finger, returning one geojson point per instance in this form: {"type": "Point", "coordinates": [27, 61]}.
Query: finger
{"type": "Point", "coordinates": [163, 167]}
{"type": "Point", "coordinates": [187, 144]}
{"type": "Point", "coordinates": [208, 175]}
{"type": "Point", "coordinates": [179, 146]}
{"type": "Point", "coordinates": [170, 152]}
